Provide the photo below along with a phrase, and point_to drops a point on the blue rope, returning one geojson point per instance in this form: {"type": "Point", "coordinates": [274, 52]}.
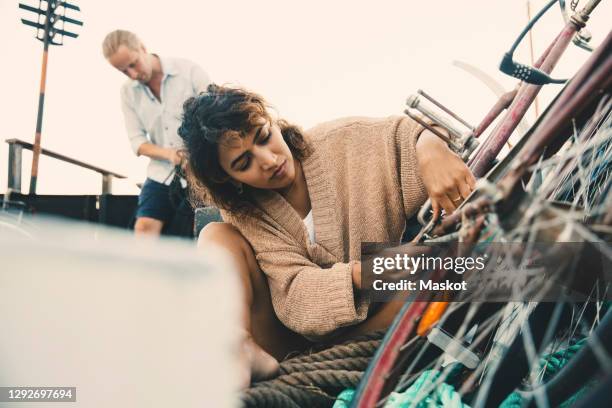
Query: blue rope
{"type": "Point", "coordinates": [445, 396]}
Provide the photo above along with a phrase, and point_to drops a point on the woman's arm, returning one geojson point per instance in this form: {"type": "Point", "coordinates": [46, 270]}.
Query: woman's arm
{"type": "Point", "coordinates": [311, 300]}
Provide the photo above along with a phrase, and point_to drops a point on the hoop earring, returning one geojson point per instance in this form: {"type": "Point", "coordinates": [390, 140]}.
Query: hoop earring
{"type": "Point", "coordinates": [240, 189]}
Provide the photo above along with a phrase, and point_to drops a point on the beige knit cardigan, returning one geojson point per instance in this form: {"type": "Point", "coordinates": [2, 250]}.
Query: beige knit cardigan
{"type": "Point", "coordinates": [363, 182]}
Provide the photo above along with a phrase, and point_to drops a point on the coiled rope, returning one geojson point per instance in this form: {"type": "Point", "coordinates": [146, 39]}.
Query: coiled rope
{"type": "Point", "coordinates": [552, 364]}
{"type": "Point", "coordinates": [314, 379]}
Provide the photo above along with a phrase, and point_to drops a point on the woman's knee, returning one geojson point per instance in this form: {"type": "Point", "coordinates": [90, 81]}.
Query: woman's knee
{"type": "Point", "coordinates": [220, 233]}
{"type": "Point", "coordinates": [228, 237]}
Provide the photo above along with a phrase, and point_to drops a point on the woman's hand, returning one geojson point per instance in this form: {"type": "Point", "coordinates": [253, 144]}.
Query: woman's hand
{"type": "Point", "coordinates": [447, 178]}
{"type": "Point", "coordinates": [356, 275]}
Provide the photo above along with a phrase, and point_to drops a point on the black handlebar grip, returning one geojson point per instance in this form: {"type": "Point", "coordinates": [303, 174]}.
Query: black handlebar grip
{"type": "Point", "coordinates": [525, 73]}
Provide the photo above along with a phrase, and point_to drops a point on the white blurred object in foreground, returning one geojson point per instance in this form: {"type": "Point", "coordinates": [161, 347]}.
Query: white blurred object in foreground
{"type": "Point", "coordinates": [129, 323]}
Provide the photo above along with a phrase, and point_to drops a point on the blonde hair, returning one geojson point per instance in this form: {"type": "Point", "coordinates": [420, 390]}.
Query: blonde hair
{"type": "Point", "coordinates": [117, 38]}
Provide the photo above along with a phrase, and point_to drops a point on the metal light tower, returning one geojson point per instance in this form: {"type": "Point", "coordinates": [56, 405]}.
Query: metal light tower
{"type": "Point", "coordinates": [50, 21]}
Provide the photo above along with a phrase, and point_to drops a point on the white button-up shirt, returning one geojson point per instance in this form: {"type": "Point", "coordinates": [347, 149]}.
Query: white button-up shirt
{"type": "Point", "coordinates": [148, 120]}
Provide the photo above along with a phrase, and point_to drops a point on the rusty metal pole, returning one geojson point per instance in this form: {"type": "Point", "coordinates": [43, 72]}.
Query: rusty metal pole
{"type": "Point", "coordinates": [41, 100]}
{"type": "Point", "coordinates": [50, 32]}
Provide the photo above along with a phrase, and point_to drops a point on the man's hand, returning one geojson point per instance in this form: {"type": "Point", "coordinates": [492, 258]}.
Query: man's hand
{"type": "Point", "coordinates": [175, 156]}
{"type": "Point", "coordinates": [447, 178]}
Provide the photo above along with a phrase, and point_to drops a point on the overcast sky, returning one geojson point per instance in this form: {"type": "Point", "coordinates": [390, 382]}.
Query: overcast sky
{"type": "Point", "coordinates": [313, 60]}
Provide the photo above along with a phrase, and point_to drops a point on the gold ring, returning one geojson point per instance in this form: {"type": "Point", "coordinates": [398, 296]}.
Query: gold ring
{"type": "Point", "coordinates": [456, 199]}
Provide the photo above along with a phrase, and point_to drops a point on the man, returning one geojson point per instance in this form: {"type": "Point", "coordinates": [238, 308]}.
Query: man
{"type": "Point", "coordinates": [152, 101]}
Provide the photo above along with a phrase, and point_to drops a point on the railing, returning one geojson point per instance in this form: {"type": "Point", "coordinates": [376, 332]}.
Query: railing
{"type": "Point", "coordinates": [16, 147]}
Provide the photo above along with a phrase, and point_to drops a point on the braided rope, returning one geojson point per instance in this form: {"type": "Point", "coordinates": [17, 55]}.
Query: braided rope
{"type": "Point", "coordinates": [302, 396]}
{"type": "Point", "coordinates": [361, 349]}
{"type": "Point", "coordinates": [553, 363]}
{"type": "Point", "coordinates": [323, 378]}
{"type": "Point", "coordinates": [303, 389]}
{"type": "Point", "coordinates": [267, 397]}
{"type": "Point", "coordinates": [350, 364]}
{"type": "Point", "coordinates": [308, 380]}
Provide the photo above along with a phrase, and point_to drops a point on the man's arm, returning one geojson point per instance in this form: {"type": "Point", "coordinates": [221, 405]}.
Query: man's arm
{"type": "Point", "coordinates": [161, 153]}
{"type": "Point", "coordinates": [138, 139]}
{"type": "Point", "coordinates": [133, 125]}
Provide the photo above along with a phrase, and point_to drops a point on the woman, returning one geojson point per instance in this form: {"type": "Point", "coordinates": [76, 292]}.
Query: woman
{"type": "Point", "coordinates": [298, 205]}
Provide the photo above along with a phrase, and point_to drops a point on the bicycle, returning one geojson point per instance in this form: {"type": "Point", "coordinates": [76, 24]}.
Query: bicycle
{"type": "Point", "coordinates": [501, 208]}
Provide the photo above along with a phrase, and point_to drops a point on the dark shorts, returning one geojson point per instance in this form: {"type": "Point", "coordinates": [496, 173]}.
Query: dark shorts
{"type": "Point", "coordinates": [154, 201]}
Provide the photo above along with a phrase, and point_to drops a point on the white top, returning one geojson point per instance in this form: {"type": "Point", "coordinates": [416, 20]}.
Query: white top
{"type": "Point", "coordinates": [157, 122]}
{"type": "Point", "coordinates": [309, 222]}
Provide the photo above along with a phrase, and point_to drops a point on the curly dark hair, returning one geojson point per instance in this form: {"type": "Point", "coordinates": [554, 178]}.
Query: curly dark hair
{"type": "Point", "coordinates": [209, 117]}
